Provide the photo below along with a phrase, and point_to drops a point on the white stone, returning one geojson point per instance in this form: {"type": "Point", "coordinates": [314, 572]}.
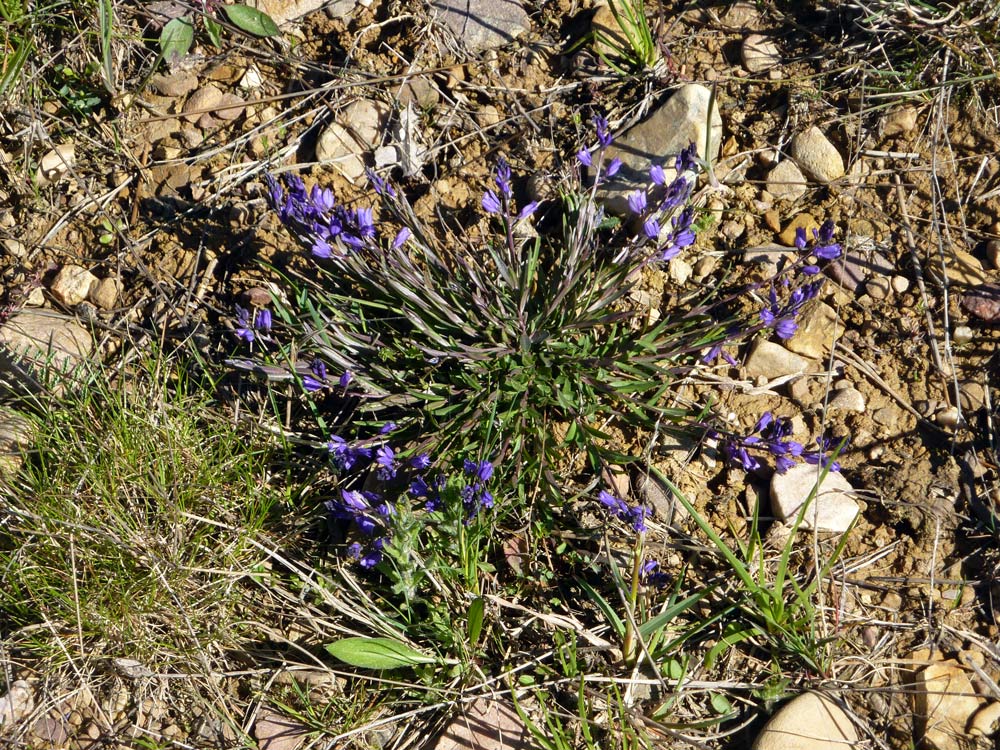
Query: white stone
{"type": "Point", "coordinates": [72, 284]}
{"type": "Point", "coordinates": [809, 721]}
{"type": "Point", "coordinates": [847, 399]}
{"type": "Point", "coordinates": [900, 284]}
{"type": "Point", "coordinates": [56, 163]}
{"type": "Point", "coordinates": [771, 361]}
{"type": "Point", "coordinates": [816, 156]}
{"type": "Point", "coordinates": [17, 703]}
{"type": "Point", "coordinates": [759, 53]}
{"type": "Point", "coordinates": [345, 146]}
{"type": "Point", "coordinates": [680, 270]}
{"type": "Point", "coordinates": [14, 247]}
{"type": "Point", "coordinates": [786, 181]}
{"type": "Point", "coordinates": [832, 509]}
{"type": "Point", "coordinates": [252, 79]}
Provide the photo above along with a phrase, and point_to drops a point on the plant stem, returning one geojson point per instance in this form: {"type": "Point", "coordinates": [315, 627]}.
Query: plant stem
{"type": "Point", "coordinates": [629, 651]}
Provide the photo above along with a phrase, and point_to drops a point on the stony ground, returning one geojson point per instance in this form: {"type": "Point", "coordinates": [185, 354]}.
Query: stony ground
{"type": "Point", "coordinates": [142, 216]}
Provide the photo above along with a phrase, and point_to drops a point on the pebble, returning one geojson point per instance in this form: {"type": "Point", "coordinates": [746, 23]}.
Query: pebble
{"type": "Point", "coordinates": [972, 396]}
{"type": "Point", "coordinates": [900, 284]}
{"type": "Point", "coordinates": [230, 107]}
{"type": "Point", "coordinates": [993, 253]}
{"type": "Point", "coordinates": [810, 721]}
{"type": "Point", "coordinates": [47, 340]}
{"type": "Point", "coordinates": [276, 732]}
{"type": "Point", "coordinates": [680, 270]}
{"type": "Point", "coordinates": [681, 120]}
{"type": "Point", "coordinates": [878, 287]}
{"type": "Point", "coordinates": [283, 11]}
{"type": "Point", "coordinates": [948, 417]}
{"type": "Point", "coordinates": [899, 121]}
{"type": "Point", "coordinates": [15, 248]}
{"type": "Point", "coordinates": [420, 92]}
{"type": "Point", "coordinates": [56, 163]}
{"type": "Point", "coordinates": [847, 399]}
{"type": "Point", "coordinates": [819, 328]}
{"type": "Point", "coordinates": [804, 221]}
{"type": "Point", "coordinates": [963, 335]}
{"type": "Point", "coordinates": [786, 181]}
{"type": "Point", "coordinates": [176, 84]}
{"type": "Point", "coordinates": [72, 284]}
{"type": "Point", "coordinates": [50, 731]}
{"type": "Point", "coordinates": [983, 302]}
{"type": "Point", "coordinates": [771, 361]}
{"type": "Point", "coordinates": [963, 267]}
{"type": "Point", "coordinates": [204, 100]}
{"type": "Point", "coordinates": [252, 79]}
{"type": "Point", "coordinates": [816, 156]}
{"type": "Point", "coordinates": [857, 264]}
{"type": "Point", "coordinates": [759, 53]}
{"type": "Point", "coordinates": [944, 701]}
{"type": "Point", "coordinates": [482, 24]}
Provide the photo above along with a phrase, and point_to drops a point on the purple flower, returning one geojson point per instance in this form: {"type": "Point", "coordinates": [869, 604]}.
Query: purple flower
{"type": "Point", "coordinates": [603, 133]}
{"type": "Point", "coordinates": [651, 575]}
{"type": "Point", "coordinates": [687, 159]}
{"type": "Point", "coordinates": [385, 457]}
{"type": "Point", "coordinates": [244, 329]}
{"type": "Point", "coordinates": [317, 379]}
{"type": "Point", "coordinates": [502, 178]}
{"type": "Point", "coordinates": [657, 175]}
{"type": "Point", "coordinates": [401, 236]}
{"type": "Point", "coordinates": [345, 379]}
{"type": "Point", "coordinates": [613, 166]}
{"type": "Point", "coordinates": [262, 321]}
{"type": "Point", "coordinates": [800, 238]}
{"type": "Point", "coordinates": [482, 470]}
{"type": "Point", "coordinates": [637, 202]}
{"type": "Point", "coordinates": [636, 516]}
{"type": "Point", "coordinates": [650, 228]}
{"type": "Point", "coordinates": [381, 186]}
{"type": "Point", "coordinates": [583, 156]}
{"type": "Point", "coordinates": [491, 202]}
{"type": "Point", "coordinates": [527, 211]}
{"type": "Point", "coordinates": [420, 462]}
{"type": "Point", "coordinates": [387, 428]}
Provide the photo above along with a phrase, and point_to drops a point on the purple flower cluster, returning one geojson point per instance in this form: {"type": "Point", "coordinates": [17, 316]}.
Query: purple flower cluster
{"type": "Point", "coordinates": [824, 249]}
{"type": "Point", "coordinates": [330, 228]}
{"type": "Point", "coordinates": [604, 139]}
{"type": "Point", "coordinates": [370, 513]}
{"type": "Point", "coordinates": [770, 435]}
{"type": "Point", "coordinates": [495, 202]}
{"type": "Point", "coordinates": [650, 574]}
{"type": "Point", "coordinates": [316, 378]}
{"type": "Point", "coordinates": [781, 317]}
{"type": "Point", "coordinates": [248, 326]}
{"type": "Point", "coordinates": [634, 515]}
{"type": "Point", "coordinates": [475, 496]}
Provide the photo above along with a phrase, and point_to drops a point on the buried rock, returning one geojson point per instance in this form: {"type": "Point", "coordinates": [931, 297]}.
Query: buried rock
{"type": "Point", "coordinates": [983, 302]}
{"type": "Point", "coordinates": [831, 508]}
{"type": "Point", "coordinates": [810, 721]}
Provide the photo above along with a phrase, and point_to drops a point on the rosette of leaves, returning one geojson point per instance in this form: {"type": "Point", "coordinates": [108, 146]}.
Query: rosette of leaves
{"type": "Point", "coordinates": [178, 32]}
{"type": "Point", "coordinates": [519, 346]}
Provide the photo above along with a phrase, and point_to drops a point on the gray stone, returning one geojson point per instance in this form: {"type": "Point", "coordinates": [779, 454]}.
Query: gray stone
{"type": "Point", "coordinates": [276, 732]}
{"type": "Point", "coordinates": [809, 721]}
{"type": "Point", "coordinates": [770, 360]}
{"type": "Point", "coordinates": [284, 11]}
{"type": "Point", "coordinates": [14, 248]}
{"type": "Point", "coordinates": [832, 509]}
{"type": "Point", "coordinates": [17, 703]}
{"type": "Point", "coordinates": [72, 284]}
{"type": "Point", "coordinates": [682, 120]}
{"type": "Point", "coordinates": [759, 53]}
{"type": "Point", "coordinates": [819, 328]}
{"type": "Point", "coordinates": [786, 181]}
{"type": "Point", "coordinates": [203, 101]}
{"type": "Point", "coordinates": [816, 156]}
{"type": "Point", "coordinates": [105, 292]}
{"type": "Point", "coordinates": [55, 164]}
{"type": "Point", "coordinates": [482, 24]}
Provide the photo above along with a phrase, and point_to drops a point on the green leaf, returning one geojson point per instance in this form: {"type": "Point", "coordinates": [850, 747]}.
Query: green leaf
{"type": "Point", "coordinates": [476, 610]}
{"type": "Point", "coordinates": [721, 704]}
{"type": "Point", "coordinates": [250, 20]}
{"type": "Point", "coordinates": [214, 30]}
{"type": "Point", "coordinates": [377, 653]}
{"type": "Point", "coordinates": [176, 38]}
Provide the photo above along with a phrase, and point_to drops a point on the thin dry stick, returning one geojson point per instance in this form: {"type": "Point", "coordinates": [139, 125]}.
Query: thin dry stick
{"type": "Point", "coordinates": [918, 272]}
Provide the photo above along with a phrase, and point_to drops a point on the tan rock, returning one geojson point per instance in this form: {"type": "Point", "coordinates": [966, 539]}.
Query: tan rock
{"type": "Point", "coordinates": [72, 284]}
{"type": "Point", "coordinates": [770, 360]}
{"type": "Point", "coordinates": [804, 220]}
{"type": "Point", "coordinates": [944, 702]}
{"type": "Point", "coordinates": [810, 721]}
{"type": "Point", "coordinates": [759, 53]}
{"type": "Point", "coordinates": [900, 120]}
{"type": "Point", "coordinates": [816, 156]}
{"type": "Point", "coordinates": [786, 181]}
{"type": "Point", "coordinates": [819, 328]}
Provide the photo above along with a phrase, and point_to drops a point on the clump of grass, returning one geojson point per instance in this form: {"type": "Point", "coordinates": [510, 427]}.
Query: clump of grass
{"type": "Point", "coordinates": [130, 525]}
